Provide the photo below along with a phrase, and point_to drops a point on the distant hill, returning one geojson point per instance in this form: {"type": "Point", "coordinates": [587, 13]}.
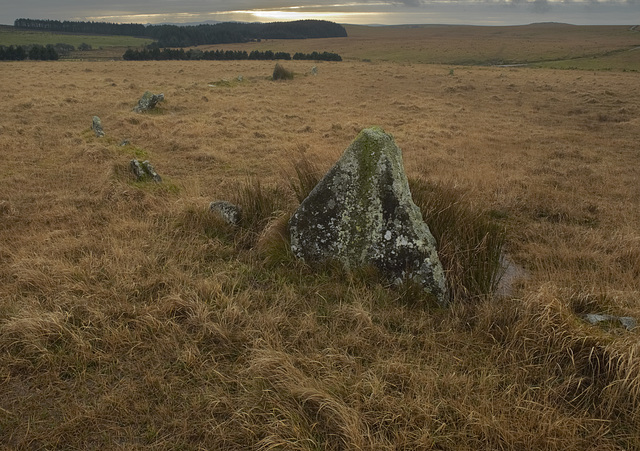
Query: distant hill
{"type": "Point", "coordinates": [188, 24]}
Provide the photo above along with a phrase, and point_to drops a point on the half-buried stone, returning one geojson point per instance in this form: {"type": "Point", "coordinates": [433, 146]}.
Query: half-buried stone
{"type": "Point", "coordinates": [361, 213]}
{"type": "Point", "coordinates": [229, 212]}
{"type": "Point", "coordinates": [148, 101]}
{"type": "Point", "coordinates": [144, 171]}
{"type": "Point", "coordinates": [96, 126]}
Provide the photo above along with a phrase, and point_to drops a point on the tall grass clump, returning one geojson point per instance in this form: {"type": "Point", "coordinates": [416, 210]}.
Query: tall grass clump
{"type": "Point", "coordinates": [307, 176]}
{"type": "Point", "coordinates": [259, 206]}
{"type": "Point", "coordinates": [280, 73]}
{"type": "Point", "coordinates": [470, 244]}
{"type": "Point", "coordinates": [541, 337]}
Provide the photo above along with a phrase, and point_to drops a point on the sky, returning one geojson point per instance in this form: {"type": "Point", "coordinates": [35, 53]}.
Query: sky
{"type": "Point", "coordinates": [393, 12]}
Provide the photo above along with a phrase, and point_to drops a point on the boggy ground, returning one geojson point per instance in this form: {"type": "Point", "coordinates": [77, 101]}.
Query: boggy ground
{"type": "Point", "coordinates": [131, 319]}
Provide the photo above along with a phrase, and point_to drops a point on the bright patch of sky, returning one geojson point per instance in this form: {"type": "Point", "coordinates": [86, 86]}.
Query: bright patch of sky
{"type": "Point", "coordinates": [479, 12]}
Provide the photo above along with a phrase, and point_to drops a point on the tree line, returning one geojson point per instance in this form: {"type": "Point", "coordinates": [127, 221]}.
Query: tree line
{"type": "Point", "coordinates": [193, 35]}
{"type": "Point", "coordinates": [315, 56]}
{"type": "Point", "coordinates": [156, 54]}
{"type": "Point", "coordinates": [68, 26]}
{"type": "Point", "coordinates": [33, 52]}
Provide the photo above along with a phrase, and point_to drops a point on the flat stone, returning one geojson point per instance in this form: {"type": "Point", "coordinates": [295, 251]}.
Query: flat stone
{"type": "Point", "coordinates": [627, 322]}
{"type": "Point", "coordinates": [226, 210]}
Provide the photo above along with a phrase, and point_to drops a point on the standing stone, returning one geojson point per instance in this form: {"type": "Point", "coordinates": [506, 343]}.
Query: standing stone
{"type": "Point", "coordinates": [361, 213]}
{"type": "Point", "coordinates": [137, 169]}
{"type": "Point", "coordinates": [96, 126]}
{"type": "Point", "coordinates": [144, 171]}
{"type": "Point", "coordinates": [148, 101]}
{"type": "Point", "coordinates": [151, 172]}
{"type": "Point", "coordinates": [314, 70]}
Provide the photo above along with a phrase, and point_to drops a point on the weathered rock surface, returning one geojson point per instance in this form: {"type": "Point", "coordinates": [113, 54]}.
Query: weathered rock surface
{"type": "Point", "coordinates": [96, 126]}
{"type": "Point", "coordinates": [148, 101]}
{"type": "Point", "coordinates": [361, 213]}
{"type": "Point", "coordinates": [229, 212]}
{"type": "Point", "coordinates": [627, 322]}
{"type": "Point", "coordinates": [144, 171]}
{"type": "Point", "coordinates": [137, 169]}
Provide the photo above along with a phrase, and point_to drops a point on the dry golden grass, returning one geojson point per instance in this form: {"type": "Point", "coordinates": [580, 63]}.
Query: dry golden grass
{"type": "Point", "coordinates": [465, 45]}
{"type": "Point", "coordinates": [131, 319]}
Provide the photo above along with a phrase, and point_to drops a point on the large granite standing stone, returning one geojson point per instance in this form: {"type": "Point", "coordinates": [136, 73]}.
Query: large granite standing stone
{"type": "Point", "coordinates": [361, 213]}
{"type": "Point", "coordinates": [148, 101]}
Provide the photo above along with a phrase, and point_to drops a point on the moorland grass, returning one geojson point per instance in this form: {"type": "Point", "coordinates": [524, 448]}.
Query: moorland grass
{"type": "Point", "coordinates": [130, 319]}
{"type": "Point", "coordinates": [468, 45]}
{"type": "Point", "coordinates": [540, 45]}
{"type": "Point", "coordinates": [625, 60]}
{"type": "Point", "coordinates": [470, 243]}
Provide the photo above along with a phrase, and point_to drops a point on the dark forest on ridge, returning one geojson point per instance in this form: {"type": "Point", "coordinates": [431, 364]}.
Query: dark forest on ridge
{"type": "Point", "coordinates": [184, 36]}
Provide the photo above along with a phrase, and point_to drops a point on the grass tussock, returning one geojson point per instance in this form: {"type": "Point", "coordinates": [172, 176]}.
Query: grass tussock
{"type": "Point", "coordinates": [280, 73]}
{"type": "Point", "coordinates": [307, 175]}
{"type": "Point", "coordinates": [592, 373]}
{"type": "Point", "coordinates": [470, 243]}
{"type": "Point", "coordinates": [259, 206]}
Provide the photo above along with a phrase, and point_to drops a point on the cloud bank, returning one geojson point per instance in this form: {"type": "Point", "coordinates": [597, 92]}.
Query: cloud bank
{"type": "Point", "coordinates": [481, 12]}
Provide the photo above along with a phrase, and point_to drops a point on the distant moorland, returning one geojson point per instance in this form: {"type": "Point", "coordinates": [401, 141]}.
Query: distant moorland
{"type": "Point", "coordinates": [542, 45]}
{"type": "Point", "coordinates": [547, 45]}
{"type": "Point", "coordinates": [12, 36]}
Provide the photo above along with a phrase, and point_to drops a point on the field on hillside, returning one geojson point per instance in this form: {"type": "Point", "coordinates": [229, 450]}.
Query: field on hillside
{"type": "Point", "coordinates": [11, 36]}
{"type": "Point", "coordinates": [470, 45]}
{"type": "Point", "coordinates": [130, 318]}
{"type": "Point", "coordinates": [547, 45]}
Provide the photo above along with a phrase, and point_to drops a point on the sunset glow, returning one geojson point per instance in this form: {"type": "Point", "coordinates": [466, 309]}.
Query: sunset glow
{"type": "Point", "coordinates": [358, 12]}
{"type": "Point", "coordinates": [292, 14]}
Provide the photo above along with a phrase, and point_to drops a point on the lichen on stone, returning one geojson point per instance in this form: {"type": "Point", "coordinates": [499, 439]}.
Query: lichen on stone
{"type": "Point", "coordinates": [144, 171]}
{"type": "Point", "coordinates": [96, 126]}
{"type": "Point", "coordinates": [148, 101]}
{"type": "Point", "coordinates": [361, 213]}
{"type": "Point", "coordinates": [229, 212]}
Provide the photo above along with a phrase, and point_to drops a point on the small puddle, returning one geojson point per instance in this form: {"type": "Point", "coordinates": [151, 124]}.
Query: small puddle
{"type": "Point", "coordinates": [512, 274]}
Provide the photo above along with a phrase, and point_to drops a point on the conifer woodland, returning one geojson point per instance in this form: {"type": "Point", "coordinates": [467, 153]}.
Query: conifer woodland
{"type": "Point", "coordinates": [184, 36]}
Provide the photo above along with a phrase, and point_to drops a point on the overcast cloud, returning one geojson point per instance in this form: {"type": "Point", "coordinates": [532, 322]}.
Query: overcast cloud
{"type": "Point", "coordinates": [480, 12]}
